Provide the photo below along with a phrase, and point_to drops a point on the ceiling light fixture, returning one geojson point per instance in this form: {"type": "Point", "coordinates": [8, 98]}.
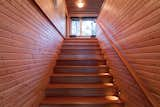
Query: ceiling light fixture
{"type": "Point", "coordinates": [80, 4]}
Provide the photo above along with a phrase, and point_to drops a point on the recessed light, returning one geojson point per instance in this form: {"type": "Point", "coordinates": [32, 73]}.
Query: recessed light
{"type": "Point", "coordinates": [80, 4]}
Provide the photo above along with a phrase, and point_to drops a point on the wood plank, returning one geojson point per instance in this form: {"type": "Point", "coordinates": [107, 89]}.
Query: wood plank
{"type": "Point", "coordinates": [28, 48]}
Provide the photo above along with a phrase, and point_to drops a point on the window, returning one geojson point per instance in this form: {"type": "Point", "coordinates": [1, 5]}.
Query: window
{"type": "Point", "coordinates": [75, 26]}
{"type": "Point", "coordinates": [83, 26]}
{"type": "Point", "coordinates": [88, 26]}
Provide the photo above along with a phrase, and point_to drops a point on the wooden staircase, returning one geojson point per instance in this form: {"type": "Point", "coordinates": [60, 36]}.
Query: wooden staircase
{"type": "Point", "coordinates": [81, 77]}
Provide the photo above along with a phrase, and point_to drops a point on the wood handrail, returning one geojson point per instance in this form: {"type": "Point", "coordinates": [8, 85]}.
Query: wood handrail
{"type": "Point", "coordinates": [128, 66]}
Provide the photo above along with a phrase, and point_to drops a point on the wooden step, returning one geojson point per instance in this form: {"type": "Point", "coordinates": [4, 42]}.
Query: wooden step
{"type": "Point", "coordinates": [81, 69]}
{"type": "Point", "coordinates": [85, 57]}
{"type": "Point", "coordinates": [80, 74]}
{"type": "Point", "coordinates": [79, 38]}
{"type": "Point", "coordinates": [81, 62]}
{"type": "Point", "coordinates": [106, 85]}
{"type": "Point", "coordinates": [80, 44]}
{"type": "Point", "coordinates": [90, 39]}
{"type": "Point", "coordinates": [81, 78]}
{"type": "Point", "coordinates": [80, 90]}
{"type": "Point", "coordinates": [81, 51]}
{"type": "Point", "coordinates": [108, 101]}
{"type": "Point", "coordinates": [81, 47]}
{"type": "Point", "coordinates": [81, 41]}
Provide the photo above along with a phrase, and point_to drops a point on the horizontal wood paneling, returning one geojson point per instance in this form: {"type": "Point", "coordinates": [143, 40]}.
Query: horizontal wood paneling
{"type": "Point", "coordinates": [133, 26]}
{"type": "Point", "coordinates": [130, 91]}
{"type": "Point", "coordinates": [56, 12]}
{"type": "Point", "coordinates": [29, 45]}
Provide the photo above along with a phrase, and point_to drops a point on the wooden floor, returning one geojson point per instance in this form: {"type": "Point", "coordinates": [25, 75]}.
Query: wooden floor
{"type": "Point", "coordinates": [81, 77]}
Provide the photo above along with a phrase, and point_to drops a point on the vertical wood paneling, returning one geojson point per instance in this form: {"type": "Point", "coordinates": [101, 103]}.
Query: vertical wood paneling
{"type": "Point", "coordinates": [28, 49]}
{"type": "Point", "coordinates": [133, 26]}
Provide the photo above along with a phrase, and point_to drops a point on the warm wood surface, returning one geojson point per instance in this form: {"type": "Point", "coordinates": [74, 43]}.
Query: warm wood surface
{"type": "Point", "coordinates": [81, 74]}
{"type": "Point", "coordinates": [79, 100]}
{"type": "Point", "coordinates": [91, 8]}
{"type": "Point", "coordinates": [80, 85]}
{"type": "Point", "coordinates": [80, 69]}
{"type": "Point", "coordinates": [81, 82]}
{"type": "Point", "coordinates": [72, 56]}
{"type": "Point", "coordinates": [130, 91]}
{"type": "Point", "coordinates": [28, 48]}
{"type": "Point", "coordinates": [133, 27]}
{"type": "Point", "coordinates": [56, 12]}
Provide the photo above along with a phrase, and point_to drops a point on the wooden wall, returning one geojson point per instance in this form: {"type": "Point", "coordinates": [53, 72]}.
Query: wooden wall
{"type": "Point", "coordinates": [56, 11]}
{"type": "Point", "coordinates": [28, 48]}
{"type": "Point", "coordinates": [131, 29]}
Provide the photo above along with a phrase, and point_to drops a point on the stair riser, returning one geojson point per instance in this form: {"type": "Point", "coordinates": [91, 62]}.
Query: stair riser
{"type": "Point", "coordinates": [80, 44]}
{"type": "Point", "coordinates": [80, 41]}
{"type": "Point", "coordinates": [80, 70]}
{"type": "Point", "coordinates": [81, 51]}
{"type": "Point", "coordinates": [81, 62]}
{"type": "Point", "coordinates": [80, 38]}
{"type": "Point", "coordinates": [80, 92]}
{"type": "Point", "coordinates": [80, 47]}
{"type": "Point", "coordinates": [84, 105]}
{"type": "Point", "coordinates": [80, 79]}
{"type": "Point", "coordinates": [89, 56]}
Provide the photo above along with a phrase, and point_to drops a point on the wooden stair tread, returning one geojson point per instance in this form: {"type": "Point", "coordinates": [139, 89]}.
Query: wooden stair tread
{"type": "Point", "coordinates": [83, 54]}
{"type": "Point", "coordinates": [80, 56]}
{"type": "Point", "coordinates": [99, 66]}
{"type": "Point", "coordinates": [81, 77]}
{"type": "Point", "coordinates": [80, 74]}
{"type": "Point", "coordinates": [80, 100]}
{"type": "Point", "coordinates": [82, 51]}
{"type": "Point", "coordinates": [80, 85]}
{"type": "Point", "coordinates": [79, 59]}
{"type": "Point", "coordinates": [85, 41]}
{"type": "Point", "coordinates": [96, 48]}
{"type": "Point", "coordinates": [81, 69]}
{"type": "Point", "coordinates": [80, 44]}
{"type": "Point", "coordinates": [80, 38]}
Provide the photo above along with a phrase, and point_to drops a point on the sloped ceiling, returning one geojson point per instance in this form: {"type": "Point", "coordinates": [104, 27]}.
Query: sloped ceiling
{"type": "Point", "coordinates": [91, 8]}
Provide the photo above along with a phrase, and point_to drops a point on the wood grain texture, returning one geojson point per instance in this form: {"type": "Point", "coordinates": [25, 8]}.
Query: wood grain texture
{"type": "Point", "coordinates": [133, 27]}
{"type": "Point", "coordinates": [130, 91]}
{"type": "Point", "coordinates": [28, 49]}
{"type": "Point", "coordinates": [90, 9]}
{"type": "Point", "coordinates": [55, 10]}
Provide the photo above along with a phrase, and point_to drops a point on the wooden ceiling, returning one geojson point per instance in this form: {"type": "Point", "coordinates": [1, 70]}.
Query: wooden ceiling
{"type": "Point", "coordinates": [91, 8]}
